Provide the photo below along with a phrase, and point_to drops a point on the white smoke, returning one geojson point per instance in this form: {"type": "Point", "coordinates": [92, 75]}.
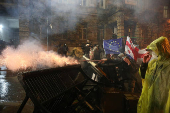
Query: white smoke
{"type": "Point", "coordinates": [145, 11]}
{"type": "Point", "coordinates": [30, 54]}
{"type": "Point", "coordinates": [60, 13]}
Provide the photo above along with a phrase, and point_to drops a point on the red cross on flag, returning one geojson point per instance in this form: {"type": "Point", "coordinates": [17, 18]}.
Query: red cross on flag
{"type": "Point", "coordinates": [133, 51]}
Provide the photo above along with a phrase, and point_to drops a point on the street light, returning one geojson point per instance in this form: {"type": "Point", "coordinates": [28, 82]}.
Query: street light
{"type": "Point", "coordinates": [47, 33]}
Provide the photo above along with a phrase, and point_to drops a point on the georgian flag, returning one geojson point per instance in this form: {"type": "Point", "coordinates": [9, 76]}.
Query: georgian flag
{"type": "Point", "coordinates": [133, 51]}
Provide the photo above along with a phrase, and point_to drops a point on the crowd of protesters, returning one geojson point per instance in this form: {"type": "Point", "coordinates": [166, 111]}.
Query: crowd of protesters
{"type": "Point", "coordinates": [121, 69]}
{"type": "Point", "coordinates": [154, 71]}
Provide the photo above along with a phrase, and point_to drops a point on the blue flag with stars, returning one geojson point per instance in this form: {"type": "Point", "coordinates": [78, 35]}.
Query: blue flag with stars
{"type": "Point", "coordinates": [112, 46]}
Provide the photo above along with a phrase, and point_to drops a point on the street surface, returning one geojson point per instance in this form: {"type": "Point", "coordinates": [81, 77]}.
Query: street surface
{"type": "Point", "coordinates": [12, 94]}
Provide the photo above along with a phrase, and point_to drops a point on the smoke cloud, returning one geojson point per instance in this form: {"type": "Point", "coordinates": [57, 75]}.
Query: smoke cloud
{"type": "Point", "coordinates": [30, 54]}
{"type": "Point", "coordinates": [145, 11]}
{"type": "Point", "coordinates": [72, 10]}
{"type": "Point", "coordinates": [59, 13]}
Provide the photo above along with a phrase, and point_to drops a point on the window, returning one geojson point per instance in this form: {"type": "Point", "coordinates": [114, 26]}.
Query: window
{"type": "Point", "coordinates": [83, 31]}
{"type": "Point", "coordinates": [115, 30]}
{"type": "Point", "coordinates": [92, 3]}
{"type": "Point", "coordinates": [82, 2]}
{"type": "Point", "coordinates": [63, 1]}
{"type": "Point", "coordinates": [101, 34]}
{"type": "Point", "coordinates": [165, 13]}
{"type": "Point", "coordinates": [101, 2]}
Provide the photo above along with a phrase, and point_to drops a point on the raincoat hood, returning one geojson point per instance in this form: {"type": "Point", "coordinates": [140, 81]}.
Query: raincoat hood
{"type": "Point", "coordinates": [161, 47]}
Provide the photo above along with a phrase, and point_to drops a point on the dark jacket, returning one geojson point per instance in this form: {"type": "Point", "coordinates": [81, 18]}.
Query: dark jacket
{"type": "Point", "coordinates": [143, 69]}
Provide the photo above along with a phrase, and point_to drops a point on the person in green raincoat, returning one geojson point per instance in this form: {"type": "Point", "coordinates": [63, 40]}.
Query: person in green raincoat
{"type": "Point", "coordinates": [155, 96]}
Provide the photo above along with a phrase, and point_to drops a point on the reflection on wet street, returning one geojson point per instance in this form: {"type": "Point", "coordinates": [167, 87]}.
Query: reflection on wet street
{"type": "Point", "coordinates": [3, 86]}
{"type": "Point", "coordinates": [12, 94]}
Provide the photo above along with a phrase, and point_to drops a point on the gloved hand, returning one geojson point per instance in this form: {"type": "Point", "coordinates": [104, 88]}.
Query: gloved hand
{"type": "Point", "coordinates": [127, 60]}
{"type": "Point", "coordinates": [147, 56]}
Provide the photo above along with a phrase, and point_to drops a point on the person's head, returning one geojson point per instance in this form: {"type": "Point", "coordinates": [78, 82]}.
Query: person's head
{"type": "Point", "coordinates": [97, 46]}
{"type": "Point", "coordinates": [160, 47]}
{"type": "Point", "coordinates": [121, 55]}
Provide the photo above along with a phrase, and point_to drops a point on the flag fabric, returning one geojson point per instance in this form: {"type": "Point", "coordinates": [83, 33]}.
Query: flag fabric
{"type": "Point", "coordinates": [112, 46]}
{"type": "Point", "coordinates": [133, 51]}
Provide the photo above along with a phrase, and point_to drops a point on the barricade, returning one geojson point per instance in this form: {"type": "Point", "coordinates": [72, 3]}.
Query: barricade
{"type": "Point", "coordinates": [61, 90]}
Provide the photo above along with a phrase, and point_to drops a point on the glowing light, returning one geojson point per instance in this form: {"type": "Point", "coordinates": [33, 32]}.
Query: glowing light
{"type": "Point", "coordinates": [168, 21]}
{"type": "Point", "coordinates": [1, 27]}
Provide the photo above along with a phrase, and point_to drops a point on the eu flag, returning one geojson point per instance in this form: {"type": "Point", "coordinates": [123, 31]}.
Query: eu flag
{"type": "Point", "coordinates": [112, 46]}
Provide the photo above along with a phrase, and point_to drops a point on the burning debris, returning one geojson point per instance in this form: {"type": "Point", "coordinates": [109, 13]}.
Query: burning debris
{"type": "Point", "coordinates": [30, 55]}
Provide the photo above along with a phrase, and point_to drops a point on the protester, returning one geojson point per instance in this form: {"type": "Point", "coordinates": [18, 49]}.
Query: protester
{"type": "Point", "coordinates": [97, 52]}
{"type": "Point", "coordinates": [60, 50]}
{"type": "Point", "coordinates": [108, 66]}
{"type": "Point", "coordinates": [102, 53]}
{"type": "Point", "coordinates": [128, 71]}
{"type": "Point", "coordinates": [155, 96]}
{"type": "Point", "coordinates": [87, 48]}
{"type": "Point", "coordinates": [65, 49]}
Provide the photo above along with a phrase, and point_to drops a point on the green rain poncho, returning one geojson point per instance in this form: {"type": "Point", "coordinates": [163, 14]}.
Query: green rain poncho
{"type": "Point", "coordinates": [155, 96]}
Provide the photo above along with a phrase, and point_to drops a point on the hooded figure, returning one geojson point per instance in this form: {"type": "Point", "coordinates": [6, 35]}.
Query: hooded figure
{"type": "Point", "coordinates": [155, 96]}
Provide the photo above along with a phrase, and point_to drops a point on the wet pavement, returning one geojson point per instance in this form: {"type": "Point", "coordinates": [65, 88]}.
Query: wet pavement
{"type": "Point", "coordinates": [12, 94]}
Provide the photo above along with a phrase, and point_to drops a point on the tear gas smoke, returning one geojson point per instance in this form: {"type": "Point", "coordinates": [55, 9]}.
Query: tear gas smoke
{"type": "Point", "coordinates": [30, 54]}
{"type": "Point", "coordinates": [60, 13]}
{"type": "Point", "coordinates": [145, 11]}
{"type": "Point", "coordinates": [69, 10]}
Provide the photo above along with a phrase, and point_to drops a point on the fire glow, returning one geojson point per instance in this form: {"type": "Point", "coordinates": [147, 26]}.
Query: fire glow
{"type": "Point", "coordinates": [30, 54]}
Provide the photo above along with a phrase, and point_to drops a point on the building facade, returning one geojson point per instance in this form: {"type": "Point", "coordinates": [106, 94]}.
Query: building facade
{"type": "Point", "coordinates": [75, 21]}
